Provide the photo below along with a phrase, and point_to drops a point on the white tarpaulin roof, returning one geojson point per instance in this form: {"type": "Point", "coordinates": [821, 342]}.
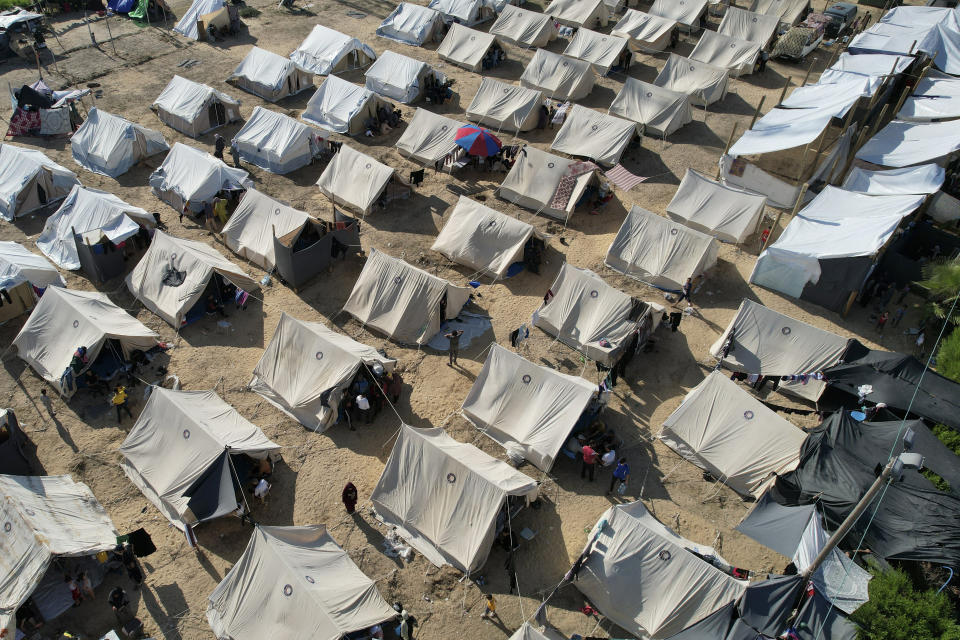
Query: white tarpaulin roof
{"type": "Point", "coordinates": [307, 367]}
{"type": "Point", "coordinates": [298, 583]}
{"type": "Point", "coordinates": [397, 76]}
{"type": "Point", "coordinates": [932, 98]}
{"type": "Point", "coordinates": [429, 137]}
{"type": "Point", "coordinates": [465, 46]}
{"type": "Point", "coordinates": [65, 320]}
{"type": "Point", "coordinates": [443, 496]}
{"type": "Point", "coordinates": [579, 13]}
{"type": "Point", "coordinates": [766, 342]}
{"type": "Point", "coordinates": [660, 111]}
{"type": "Point", "coordinates": [24, 170]}
{"type": "Point", "coordinates": [686, 12]}
{"type": "Point", "coordinates": [724, 430]}
{"type": "Point", "coordinates": [196, 176]}
{"type": "Point", "coordinates": [905, 39]}
{"type": "Point", "coordinates": [410, 24]}
{"type": "Point", "coordinates": [44, 517]}
{"type": "Point", "coordinates": [787, 11]}
{"type": "Point", "coordinates": [265, 68]}
{"type": "Point", "coordinates": [178, 438]}
{"type": "Point", "coordinates": [468, 12]}
{"type": "Point", "coordinates": [729, 213]}
{"type": "Point", "coordinates": [354, 178]}
{"type": "Point", "coordinates": [875, 67]}
{"type": "Point", "coordinates": [645, 31]}
{"type": "Point", "coordinates": [925, 178]}
{"type": "Point", "coordinates": [188, 99]}
{"type": "Point", "coordinates": [599, 49]}
{"type": "Point", "coordinates": [901, 144]}
{"type": "Point", "coordinates": [558, 76]}
{"type": "Point", "coordinates": [325, 50]}
{"type": "Point", "coordinates": [524, 27]}
{"type": "Point", "coordinates": [94, 215]}
{"type": "Point", "coordinates": [257, 220]}
{"type": "Point", "coordinates": [18, 264]}
{"type": "Point", "coordinates": [748, 25]}
{"type": "Point", "coordinates": [735, 55]}
{"type": "Point", "coordinates": [783, 129]}
{"type": "Point", "coordinates": [196, 261]}
{"type": "Point", "coordinates": [341, 106]}
{"type": "Point", "coordinates": [526, 407]}
{"type": "Point", "coordinates": [111, 145]}
{"type": "Point", "coordinates": [401, 300]}
{"type": "Point", "coordinates": [838, 96]}
{"type": "Point", "coordinates": [482, 238]}
{"type": "Point", "coordinates": [276, 142]}
{"type": "Point", "coordinates": [585, 310]}
{"type": "Point", "coordinates": [598, 136]}
{"type": "Point", "coordinates": [658, 251]}
{"type": "Point", "coordinates": [505, 106]}
{"type": "Point", "coordinates": [534, 179]}
{"type": "Point", "coordinates": [704, 83]}
{"type": "Point", "coordinates": [646, 578]}
{"type": "Point", "coordinates": [187, 25]}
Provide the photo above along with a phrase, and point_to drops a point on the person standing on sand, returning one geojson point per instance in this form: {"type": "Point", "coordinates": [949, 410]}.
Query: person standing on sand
{"type": "Point", "coordinates": [454, 338]}
{"type": "Point", "coordinates": [218, 146]}
{"type": "Point", "coordinates": [349, 498]}
{"type": "Point", "coordinates": [46, 402]}
{"type": "Point", "coordinates": [685, 292]}
{"type": "Point", "coordinates": [120, 402]}
{"type": "Point", "coordinates": [491, 609]}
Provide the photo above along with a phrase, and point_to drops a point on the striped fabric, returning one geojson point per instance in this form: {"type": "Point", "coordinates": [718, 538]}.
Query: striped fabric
{"type": "Point", "coordinates": [623, 178]}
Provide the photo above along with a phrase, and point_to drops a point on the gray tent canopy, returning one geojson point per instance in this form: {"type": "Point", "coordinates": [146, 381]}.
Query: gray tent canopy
{"type": "Point", "coordinates": [193, 108]}
{"type": "Point", "coordinates": [505, 107]}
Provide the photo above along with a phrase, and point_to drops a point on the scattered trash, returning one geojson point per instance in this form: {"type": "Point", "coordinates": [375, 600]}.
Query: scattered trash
{"type": "Point", "coordinates": [359, 15]}
{"type": "Point", "coordinates": [265, 280]}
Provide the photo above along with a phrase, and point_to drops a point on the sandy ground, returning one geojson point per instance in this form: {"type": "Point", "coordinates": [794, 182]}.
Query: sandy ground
{"type": "Point", "coordinates": [315, 467]}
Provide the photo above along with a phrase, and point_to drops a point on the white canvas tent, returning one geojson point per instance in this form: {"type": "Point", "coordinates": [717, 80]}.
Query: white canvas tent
{"type": "Point", "coordinates": [65, 320]}
{"type": "Point", "coordinates": [482, 238]}
{"type": "Point", "coordinates": [193, 108]}
{"type": "Point", "coordinates": [837, 97]}
{"type": "Point", "coordinates": [534, 179]}
{"type": "Point", "coordinates": [179, 454]}
{"type": "Point", "coordinates": [325, 51]}
{"type": "Point", "coordinates": [901, 144]}
{"type": "Point", "coordinates": [766, 342]}
{"type": "Point", "coordinates": [18, 265]}
{"type": "Point", "coordinates": [592, 14]}
{"type": "Point", "coordinates": [174, 274]}
{"type": "Point", "coordinates": [529, 632]}
{"type": "Point", "coordinates": [585, 312]}
{"type": "Point", "coordinates": [354, 179]}
{"type": "Point", "coordinates": [466, 12]}
{"type": "Point", "coordinates": [783, 129]}
{"type": "Point", "coordinates": [558, 76]}
{"type": "Point", "coordinates": [786, 11]}
{"type": "Point", "coordinates": [599, 49]}
{"type": "Point", "coordinates": [429, 137]}
{"type": "Point", "coordinates": [660, 252]}
{"type": "Point", "coordinates": [704, 83]}
{"type": "Point", "coordinates": [924, 178]}
{"type": "Point", "coordinates": [187, 26]}
{"type": "Point", "coordinates": [397, 77]}
{"type": "Point", "coordinates": [875, 68]}
{"type": "Point", "coordinates": [411, 24]}
{"type": "Point", "coordinates": [270, 75]}
{"type": "Point", "coordinates": [307, 369]}
{"type": "Point", "coordinates": [685, 12]}
{"type": "Point", "coordinates": [932, 99]}
{"type": "Point", "coordinates": [29, 180]}
{"type": "Point", "coordinates": [649, 580]}
{"type": "Point", "coordinates": [735, 55]}
{"type": "Point", "coordinates": [111, 145]}
{"type": "Point", "coordinates": [93, 215]}
{"type": "Point", "coordinates": [342, 107]}
{"type": "Point", "coordinates": [528, 409]}
{"type": "Point", "coordinates": [296, 581]}
{"type": "Point", "coordinates": [645, 31]}
{"type": "Point", "coordinates": [713, 426]}
{"type": "Point", "coordinates": [661, 111]}
{"type": "Point", "coordinates": [465, 47]}
{"type": "Point", "coordinates": [404, 302]}
{"type": "Point", "coordinates": [44, 518]}
{"type": "Point", "coordinates": [190, 176]}
{"type": "Point", "coordinates": [749, 25]}
{"type": "Point", "coordinates": [254, 224]}
{"type": "Point", "coordinates": [505, 107]}
{"type": "Point", "coordinates": [524, 27]}
{"type": "Point", "coordinates": [728, 213]}
{"type": "Point", "coordinates": [596, 135]}
{"type": "Point", "coordinates": [443, 496]}
{"type": "Point", "coordinates": [276, 142]}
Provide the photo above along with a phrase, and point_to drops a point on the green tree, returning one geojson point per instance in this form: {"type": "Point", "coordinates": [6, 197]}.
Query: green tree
{"type": "Point", "coordinates": [948, 356]}
{"type": "Point", "coordinates": [942, 280]}
{"type": "Point", "coordinates": [897, 611]}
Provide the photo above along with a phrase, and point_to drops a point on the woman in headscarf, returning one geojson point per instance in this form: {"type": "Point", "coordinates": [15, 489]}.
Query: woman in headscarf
{"type": "Point", "coordinates": [349, 497]}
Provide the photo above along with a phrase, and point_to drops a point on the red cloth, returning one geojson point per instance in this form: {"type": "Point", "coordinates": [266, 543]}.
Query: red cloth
{"type": "Point", "coordinates": [23, 122]}
{"type": "Point", "coordinates": [561, 197]}
{"type": "Point", "coordinates": [589, 455]}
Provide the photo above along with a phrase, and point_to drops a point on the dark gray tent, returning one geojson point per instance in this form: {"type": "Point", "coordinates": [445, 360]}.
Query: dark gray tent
{"type": "Point", "coordinates": [818, 620]}
{"type": "Point", "coordinates": [766, 605]}
{"type": "Point", "coordinates": [776, 526]}
{"type": "Point", "coordinates": [15, 458]}
{"type": "Point", "coordinates": [308, 250]}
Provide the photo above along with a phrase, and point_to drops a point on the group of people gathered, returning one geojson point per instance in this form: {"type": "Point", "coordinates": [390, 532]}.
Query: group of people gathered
{"type": "Point", "coordinates": [369, 393]}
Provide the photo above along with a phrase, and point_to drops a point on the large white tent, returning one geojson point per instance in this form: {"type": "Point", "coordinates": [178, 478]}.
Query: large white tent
{"type": "Point", "coordinates": [443, 496]}
{"type": "Point", "coordinates": [733, 54]}
{"type": "Point", "coordinates": [724, 430]}
{"type": "Point", "coordinates": [180, 451]}
{"type": "Point", "coordinates": [924, 178]}
{"type": "Point", "coordinates": [528, 409]}
{"type": "Point", "coordinates": [558, 76]}
{"type": "Point", "coordinates": [901, 144]}
{"type": "Point", "coordinates": [187, 24]}
{"type": "Point", "coordinates": [660, 252]}
{"type": "Point", "coordinates": [354, 179]}
{"type": "Point", "coordinates": [18, 265]}
{"type": "Point", "coordinates": [647, 579]}
{"type": "Point", "coordinates": [579, 13]}
{"type": "Point", "coordinates": [111, 145]}
{"type": "Point", "coordinates": [529, 632]}
{"type": "Point", "coordinates": [193, 108]}
{"type": "Point", "coordinates": [92, 215]}
{"type": "Point", "coordinates": [270, 75]}
{"type": "Point", "coordinates": [932, 99]}
{"type": "Point", "coordinates": [704, 83]}
{"type": "Point", "coordinates": [534, 180]}
{"type": "Point", "coordinates": [783, 129]}
{"type": "Point", "coordinates": [65, 320]}
{"type": "Point", "coordinates": [524, 27]}
{"type": "Point", "coordinates": [661, 111]}
{"type": "Point", "coordinates": [505, 106]}
{"type": "Point", "coordinates": [276, 142]}
{"type": "Point", "coordinates": [596, 135]}
{"type": "Point", "coordinates": [482, 238]}
{"type": "Point", "coordinates": [29, 180]}
{"type": "Point", "coordinates": [44, 518]}
{"type": "Point", "coordinates": [398, 77]}
{"type": "Point", "coordinates": [875, 68]}
{"type": "Point", "coordinates": [175, 273]}
{"type": "Point", "coordinates": [465, 47]}
{"type": "Point", "coordinates": [404, 302]}
{"type": "Point", "coordinates": [766, 342]}
{"type": "Point", "coordinates": [325, 51]}
{"type": "Point", "coordinates": [599, 49]}
{"type": "Point", "coordinates": [728, 213]}
{"type": "Point", "coordinates": [297, 582]}
{"type": "Point", "coordinates": [786, 11]}
{"type": "Point", "coordinates": [342, 107]}
{"type": "Point", "coordinates": [685, 12]}
{"type": "Point", "coordinates": [465, 12]}
{"type": "Point", "coordinates": [589, 315]}
{"type": "Point", "coordinates": [411, 24]}
{"type": "Point", "coordinates": [646, 32]}
{"type": "Point", "coordinates": [837, 97]}
{"type": "Point", "coordinates": [190, 176]}
{"type": "Point", "coordinates": [256, 222]}
{"type": "Point", "coordinates": [307, 369]}
{"type": "Point", "coordinates": [748, 25]}
{"type": "Point", "coordinates": [429, 137]}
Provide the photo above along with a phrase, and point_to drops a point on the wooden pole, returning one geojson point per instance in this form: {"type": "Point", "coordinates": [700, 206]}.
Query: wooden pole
{"type": "Point", "coordinates": [726, 148]}
{"type": "Point", "coordinates": [852, 154]}
{"type": "Point", "coordinates": [110, 35]}
{"type": "Point", "coordinates": [809, 71]}
{"type": "Point", "coordinates": [876, 123]}
{"type": "Point", "coordinates": [793, 214]}
{"type": "Point", "coordinates": [807, 171]}
{"type": "Point", "coordinates": [756, 114]}
{"type": "Point", "coordinates": [783, 94]}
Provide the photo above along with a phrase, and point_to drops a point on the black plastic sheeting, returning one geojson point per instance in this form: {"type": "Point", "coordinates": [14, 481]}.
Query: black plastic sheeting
{"type": "Point", "coordinates": [15, 460]}
{"type": "Point", "coordinates": [818, 620]}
